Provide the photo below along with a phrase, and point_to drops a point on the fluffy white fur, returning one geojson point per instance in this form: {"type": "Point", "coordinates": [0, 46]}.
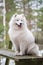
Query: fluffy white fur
{"type": "Point", "coordinates": [21, 37]}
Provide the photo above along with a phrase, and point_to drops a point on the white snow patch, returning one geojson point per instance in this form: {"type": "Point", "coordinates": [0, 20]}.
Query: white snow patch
{"type": "Point", "coordinates": [41, 51]}
{"type": "Point", "coordinates": [10, 63]}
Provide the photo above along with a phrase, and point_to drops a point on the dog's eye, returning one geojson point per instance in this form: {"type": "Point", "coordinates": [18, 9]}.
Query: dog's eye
{"type": "Point", "coordinates": [17, 20]}
{"type": "Point", "coordinates": [21, 20]}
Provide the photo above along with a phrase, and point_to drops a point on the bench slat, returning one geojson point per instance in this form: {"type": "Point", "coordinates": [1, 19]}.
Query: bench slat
{"type": "Point", "coordinates": [10, 54]}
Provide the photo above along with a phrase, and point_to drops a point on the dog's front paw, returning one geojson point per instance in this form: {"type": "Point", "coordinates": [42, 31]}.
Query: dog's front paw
{"type": "Point", "coordinates": [18, 53]}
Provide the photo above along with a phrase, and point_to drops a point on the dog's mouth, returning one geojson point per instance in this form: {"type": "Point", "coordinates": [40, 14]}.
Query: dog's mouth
{"type": "Point", "coordinates": [19, 25]}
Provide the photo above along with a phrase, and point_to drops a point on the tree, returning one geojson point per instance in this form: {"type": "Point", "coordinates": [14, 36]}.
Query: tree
{"type": "Point", "coordinates": [10, 5]}
{"type": "Point", "coordinates": [40, 13]}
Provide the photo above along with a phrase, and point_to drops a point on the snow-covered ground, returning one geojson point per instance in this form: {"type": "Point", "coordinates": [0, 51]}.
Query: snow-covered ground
{"type": "Point", "coordinates": [41, 52]}
{"type": "Point", "coordinates": [10, 63]}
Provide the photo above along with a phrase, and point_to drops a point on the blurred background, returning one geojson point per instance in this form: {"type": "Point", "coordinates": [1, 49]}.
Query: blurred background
{"type": "Point", "coordinates": [32, 9]}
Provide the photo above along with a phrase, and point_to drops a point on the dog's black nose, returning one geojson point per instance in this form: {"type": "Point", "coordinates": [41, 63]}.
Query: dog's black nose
{"type": "Point", "coordinates": [20, 23]}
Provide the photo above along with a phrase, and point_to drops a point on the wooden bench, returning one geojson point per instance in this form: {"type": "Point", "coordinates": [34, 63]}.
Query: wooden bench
{"type": "Point", "coordinates": [21, 60]}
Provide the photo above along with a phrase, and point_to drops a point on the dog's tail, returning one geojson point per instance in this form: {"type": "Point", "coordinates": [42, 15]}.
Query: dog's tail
{"type": "Point", "coordinates": [41, 51]}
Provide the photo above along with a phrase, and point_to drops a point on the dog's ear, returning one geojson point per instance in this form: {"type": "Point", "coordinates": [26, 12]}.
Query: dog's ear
{"type": "Point", "coordinates": [15, 14]}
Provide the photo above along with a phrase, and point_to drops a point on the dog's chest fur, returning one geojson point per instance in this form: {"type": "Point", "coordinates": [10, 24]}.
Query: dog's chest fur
{"type": "Point", "coordinates": [22, 36]}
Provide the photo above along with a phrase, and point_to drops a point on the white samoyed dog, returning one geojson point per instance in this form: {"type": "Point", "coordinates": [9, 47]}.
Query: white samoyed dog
{"type": "Point", "coordinates": [21, 37]}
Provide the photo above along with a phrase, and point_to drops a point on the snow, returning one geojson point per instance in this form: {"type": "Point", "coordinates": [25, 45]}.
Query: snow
{"type": "Point", "coordinates": [10, 63]}
{"type": "Point", "coordinates": [3, 61]}
{"type": "Point", "coordinates": [1, 40]}
{"type": "Point", "coordinates": [1, 4]}
{"type": "Point", "coordinates": [41, 51]}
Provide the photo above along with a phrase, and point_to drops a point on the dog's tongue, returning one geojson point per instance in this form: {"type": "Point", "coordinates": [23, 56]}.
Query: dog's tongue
{"type": "Point", "coordinates": [19, 26]}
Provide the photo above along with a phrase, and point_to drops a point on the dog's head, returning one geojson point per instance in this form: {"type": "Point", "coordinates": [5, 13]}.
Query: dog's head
{"type": "Point", "coordinates": [18, 21]}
